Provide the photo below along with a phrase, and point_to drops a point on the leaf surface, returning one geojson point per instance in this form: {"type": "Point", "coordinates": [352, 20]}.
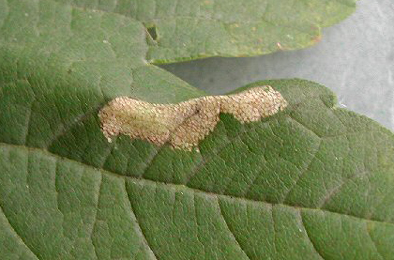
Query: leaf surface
{"type": "Point", "coordinates": [313, 182]}
{"type": "Point", "coordinates": [188, 29]}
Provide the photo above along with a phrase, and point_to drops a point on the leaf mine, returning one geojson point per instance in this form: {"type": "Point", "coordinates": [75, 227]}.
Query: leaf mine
{"type": "Point", "coordinates": [184, 125]}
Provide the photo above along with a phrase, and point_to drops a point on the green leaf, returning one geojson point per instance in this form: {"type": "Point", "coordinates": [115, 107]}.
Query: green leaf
{"type": "Point", "coordinates": [187, 29]}
{"type": "Point", "coordinates": [315, 181]}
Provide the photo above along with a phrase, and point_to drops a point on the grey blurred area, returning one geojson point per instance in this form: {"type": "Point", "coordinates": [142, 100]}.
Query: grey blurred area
{"type": "Point", "coordinates": [355, 59]}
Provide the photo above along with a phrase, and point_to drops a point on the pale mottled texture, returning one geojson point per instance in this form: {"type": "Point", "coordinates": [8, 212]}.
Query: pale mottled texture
{"type": "Point", "coordinates": [185, 124]}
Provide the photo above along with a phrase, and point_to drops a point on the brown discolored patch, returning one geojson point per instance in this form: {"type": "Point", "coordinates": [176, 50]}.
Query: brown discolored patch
{"type": "Point", "coordinates": [185, 124]}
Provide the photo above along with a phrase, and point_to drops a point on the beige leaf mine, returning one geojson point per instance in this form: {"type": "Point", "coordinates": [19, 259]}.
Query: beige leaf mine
{"type": "Point", "coordinates": [185, 124]}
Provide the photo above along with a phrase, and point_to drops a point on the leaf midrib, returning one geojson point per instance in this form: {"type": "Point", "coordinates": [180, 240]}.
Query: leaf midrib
{"type": "Point", "coordinates": [181, 186]}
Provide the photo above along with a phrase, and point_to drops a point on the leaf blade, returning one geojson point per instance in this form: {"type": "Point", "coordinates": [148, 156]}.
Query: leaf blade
{"type": "Point", "coordinates": [260, 190]}
{"type": "Point", "coordinates": [145, 194]}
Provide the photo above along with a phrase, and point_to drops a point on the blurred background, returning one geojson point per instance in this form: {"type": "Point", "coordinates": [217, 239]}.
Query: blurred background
{"type": "Point", "coordinates": [355, 59]}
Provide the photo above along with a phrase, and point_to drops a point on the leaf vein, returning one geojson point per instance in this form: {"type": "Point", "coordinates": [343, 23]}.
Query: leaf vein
{"type": "Point", "coordinates": [208, 193]}
{"type": "Point", "coordinates": [309, 238]}
{"type": "Point", "coordinates": [138, 225]}
{"type": "Point", "coordinates": [373, 241]}
{"type": "Point", "coordinates": [16, 233]}
{"type": "Point", "coordinates": [231, 231]}
{"type": "Point", "coordinates": [95, 216]}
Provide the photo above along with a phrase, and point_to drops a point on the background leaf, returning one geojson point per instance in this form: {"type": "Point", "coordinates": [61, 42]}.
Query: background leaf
{"type": "Point", "coordinates": [313, 182]}
{"type": "Point", "coordinates": [181, 30]}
